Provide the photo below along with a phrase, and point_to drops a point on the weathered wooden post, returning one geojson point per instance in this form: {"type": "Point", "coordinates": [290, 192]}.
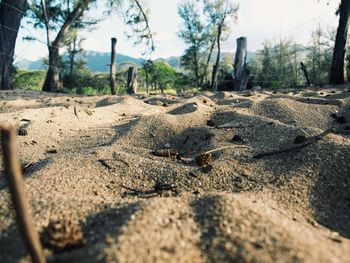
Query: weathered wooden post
{"type": "Point", "coordinates": [306, 73]}
{"type": "Point", "coordinates": [113, 67]}
{"type": "Point", "coordinates": [132, 84]}
{"type": "Point", "coordinates": [241, 72]}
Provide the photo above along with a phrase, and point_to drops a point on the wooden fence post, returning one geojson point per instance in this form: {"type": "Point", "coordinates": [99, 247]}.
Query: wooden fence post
{"type": "Point", "coordinates": [113, 67]}
{"type": "Point", "coordinates": [132, 84]}
{"type": "Point", "coordinates": [241, 72]}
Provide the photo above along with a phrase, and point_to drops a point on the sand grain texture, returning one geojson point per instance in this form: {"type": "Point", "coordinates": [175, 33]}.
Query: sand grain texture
{"type": "Point", "coordinates": [99, 162]}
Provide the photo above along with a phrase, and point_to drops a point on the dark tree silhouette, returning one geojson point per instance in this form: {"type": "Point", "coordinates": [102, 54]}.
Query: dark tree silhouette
{"type": "Point", "coordinates": [11, 13]}
{"type": "Point", "coordinates": [337, 68]}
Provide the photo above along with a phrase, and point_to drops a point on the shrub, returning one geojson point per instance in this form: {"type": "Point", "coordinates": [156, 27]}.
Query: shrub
{"type": "Point", "coordinates": [29, 80]}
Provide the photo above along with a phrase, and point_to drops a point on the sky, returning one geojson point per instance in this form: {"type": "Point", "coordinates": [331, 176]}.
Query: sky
{"type": "Point", "coordinates": [258, 20]}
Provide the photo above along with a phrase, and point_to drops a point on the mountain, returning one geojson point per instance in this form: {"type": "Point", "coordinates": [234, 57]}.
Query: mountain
{"type": "Point", "coordinates": [173, 62]}
{"type": "Point", "coordinates": [96, 62]}
{"type": "Point", "coordinates": [30, 65]}
{"type": "Point", "coordinates": [99, 61]}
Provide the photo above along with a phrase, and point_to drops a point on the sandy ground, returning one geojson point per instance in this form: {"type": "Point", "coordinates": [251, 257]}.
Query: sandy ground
{"type": "Point", "coordinates": [123, 171]}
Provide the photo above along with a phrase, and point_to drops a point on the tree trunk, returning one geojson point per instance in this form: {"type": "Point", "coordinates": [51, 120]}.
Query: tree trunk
{"type": "Point", "coordinates": [132, 85]}
{"type": "Point", "coordinates": [147, 82]}
{"type": "Point", "coordinates": [214, 79]}
{"type": "Point", "coordinates": [113, 67]}
{"type": "Point", "coordinates": [306, 73]}
{"type": "Point", "coordinates": [11, 13]}
{"type": "Point", "coordinates": [52, 81]}
{"type": "Point", "coordinates": [337, 68]}
{"type": "Point", "coordinates": [196, 68]}
{"type": "Point", "coordinates": [241, 73]}
{"type": "Point", "coordinates": [208, 62]}
{"type": "Point", "coordinates": [72, 56]}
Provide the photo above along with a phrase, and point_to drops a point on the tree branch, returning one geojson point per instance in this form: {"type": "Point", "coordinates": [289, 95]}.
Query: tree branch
{"type": "Point", "coordinates": [46, 22]}
{"type": "Point", "coordinates": [71, 18]}
{"type": "Point", "coordinates": [309, 141]}
{"type": "Point", "coordinates": [147, 23]}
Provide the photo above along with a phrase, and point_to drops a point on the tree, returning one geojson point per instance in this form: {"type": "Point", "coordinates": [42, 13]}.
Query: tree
{"type": "Point", "coordinates": [61, 17]}
{"type": "Point", "coordinates": [203, 33]}
{"type": "Point", "coordinates": [11, 13]}
{"type": "Point", "coordinates": [136, 17]}
{"type": "Point", "coordinates": [147, 66]}
{"type": "Point", "coordinates": [194, 33]}
{"type": "Point", "coordinates": [73, 62]}
{"type": "Point", "coordinates": [277, 66]}
{"type": "Point", "coordinates": [347, 66]}
{"type": "Point", "coordinates": [337, 66]}
{"type": "Point", "coordinates": [319, 57]}
{"type": "Point", "coordinates": [217, 13]}
{"type": "Point", "coordinates": [159, 74]}
{"type": "Point", "coordinates": [264, 67]}
{"type": "Point", "coordinates": [162, 75]}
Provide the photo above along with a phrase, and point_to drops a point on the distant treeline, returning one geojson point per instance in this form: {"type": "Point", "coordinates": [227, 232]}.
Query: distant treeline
{"type": "Point", "coordinates": [275, 65]}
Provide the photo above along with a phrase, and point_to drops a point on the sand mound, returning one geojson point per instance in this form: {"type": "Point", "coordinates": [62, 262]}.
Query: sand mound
{"type": "Point", "coordinates": [135, 174]}
{"type": "Point", "coordinates": [293, 112]}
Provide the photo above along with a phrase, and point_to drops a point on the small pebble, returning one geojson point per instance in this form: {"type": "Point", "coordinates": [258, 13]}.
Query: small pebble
{"type": "Point", "coordinates": [237, 138]}
{"type": "Point", "coordinates": [300, 139]}
{"type": "Point", "coordinates": [210, 123]}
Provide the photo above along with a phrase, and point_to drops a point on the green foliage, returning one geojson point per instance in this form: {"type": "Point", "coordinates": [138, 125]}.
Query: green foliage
{"type": "Point", "coordinates": [205, 25]}
{"type": "Point", "coordinates": [73, 65]}
{"type": "Point", "coordinates": [136, 17]}
{"type": "Point", "coordinates": [161, 76]}
{"type": "Point", "coordinates": [182, 81]}
{"type": "Point", "coordinates": [57, 13]}
{"type": "Point", "coordinates": [319, 57]}
{"type": "Point", "coordinates": [29, 80]}
{"type": "Point", "coordinates": [196, 36]}
{"type": "Point", "coordinates": [89, 84]}
{"type": "Point", "coordinates": [278, 66]}
{"type": "Point", "coordinates": [62, 19]}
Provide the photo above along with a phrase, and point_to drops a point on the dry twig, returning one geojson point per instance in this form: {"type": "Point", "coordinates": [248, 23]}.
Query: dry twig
{"type": "Point", "coordinates": [299, 146]}
{"type": "Point", "coordinates": [226, 147]}
{"type": "Point", "coordinates": [235, 126]}
{"type": "Point", "coordinates": [76, 112]}
{"type": "Point", "coordinates": [205, 159]}
{"type": "Point", "coordinates": [19, 199]}
{"type": "Point", "coordinates": [158, 189]}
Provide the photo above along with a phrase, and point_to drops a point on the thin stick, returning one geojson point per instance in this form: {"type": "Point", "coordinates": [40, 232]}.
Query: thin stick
{"type": "Point", "coordinates": [105, 164]}
{"type": "Point", "coordinates": [235, 126]}
{"type": "Point", "coordinates": [309, 141]}
{"type": "Point", "coordinates": [226, 147]}
{"type": "Point", "coordinates": [19, 198]}
{"type": "Point", "coordinates": [76, 112]}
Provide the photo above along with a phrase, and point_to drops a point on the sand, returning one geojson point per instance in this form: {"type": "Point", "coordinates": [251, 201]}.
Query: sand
{"type": "Point", "coordinates": [123, 171]}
